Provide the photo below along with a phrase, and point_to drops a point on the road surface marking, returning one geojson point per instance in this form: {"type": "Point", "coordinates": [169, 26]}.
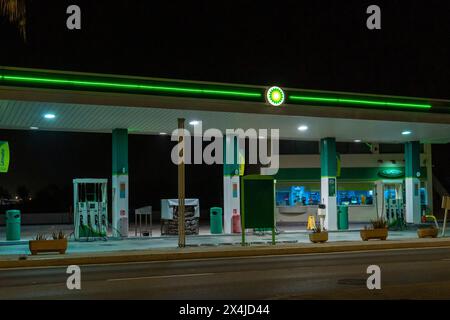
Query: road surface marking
{"type": "Point", "coordinates": [163, 277]}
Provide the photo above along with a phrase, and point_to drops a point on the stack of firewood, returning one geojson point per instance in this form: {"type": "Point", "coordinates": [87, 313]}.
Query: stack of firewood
{"type": "Point", "coordinates": [170, 227]}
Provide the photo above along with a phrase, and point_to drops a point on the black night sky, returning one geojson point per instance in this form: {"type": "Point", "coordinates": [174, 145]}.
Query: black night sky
{"type": "Point", "coordinates": [321, 45]}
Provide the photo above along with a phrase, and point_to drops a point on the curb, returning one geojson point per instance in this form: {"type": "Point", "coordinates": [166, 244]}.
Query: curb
{"type": "Point", "coordinates": [218, 252]}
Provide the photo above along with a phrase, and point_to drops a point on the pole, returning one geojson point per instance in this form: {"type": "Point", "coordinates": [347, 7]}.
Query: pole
{"type": "Point", "coordinates": [445, 206]}
{"type": "Point", "coordinates": [181, 189]}
{"type": "Point", "coordinates": [445, 223]}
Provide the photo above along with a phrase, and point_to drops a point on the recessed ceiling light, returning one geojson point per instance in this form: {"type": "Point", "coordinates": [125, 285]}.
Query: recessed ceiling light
{"type": "Point", "coordinates": [302, 128]}
{"type": "Point", "coordinates": [194, 122]}
{"type": "Point", "coordinates": [406, 132]}
{"type": "Point", "coordinates": [34, 128]}
{"type": "Point", "coordinates": [49, 116]}
{"type": "Point", "coordinates": [163, 133]}
{"type": "Point", "coordinates": [357, 140]}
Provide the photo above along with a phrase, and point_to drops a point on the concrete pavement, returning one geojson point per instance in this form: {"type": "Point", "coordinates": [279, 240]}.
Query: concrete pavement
{"type": "Point", "coordinates": [15, 261]}
{"type": "Point", "coordinates": [16, 254]}
{"type": "Point", "coordinates": [205, 240]}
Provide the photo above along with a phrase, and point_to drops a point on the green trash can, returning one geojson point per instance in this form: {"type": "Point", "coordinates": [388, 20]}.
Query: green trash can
{"type": "Point", "coordinates": [13, 225]}
{"type": "Point", "coordinates": [342, 217]}
{"type": "Point", "coordinates": [215, 223]}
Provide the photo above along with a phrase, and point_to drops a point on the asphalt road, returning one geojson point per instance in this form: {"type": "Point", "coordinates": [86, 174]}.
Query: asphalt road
{"type": "Point", "coordinates": [405, 274]}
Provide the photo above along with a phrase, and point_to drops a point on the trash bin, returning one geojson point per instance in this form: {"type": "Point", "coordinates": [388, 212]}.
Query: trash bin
{"type": "Point", "coordinates": [215, 220]}
{"type": "Point", "coordinates": [12, 225]}
{"type": "Point", "coordinates": [342, 217]}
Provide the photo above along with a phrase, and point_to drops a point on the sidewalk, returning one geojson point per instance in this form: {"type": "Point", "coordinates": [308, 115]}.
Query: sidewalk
{"type": "Point", "coordinates": [167, 242]}
{"type": "Point", "coordinates": [171, 254]}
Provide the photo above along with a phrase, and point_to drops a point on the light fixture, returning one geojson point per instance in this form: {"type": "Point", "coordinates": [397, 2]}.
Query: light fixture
{"type": "Point", "coordinates": [49, 116]}
{"type": "Point", "coordinates": [34, 128]}
{"type": "Point", "coordinates": [275, 96]}
{"type": "Point", "coordinates": [166, 88]}
{"type": "Point", "coordinates": [302, 128]}
{"type": "Point", "coordinates": [163, 133]}
{"type": "Point", "coordinates": [350, 101]}
{"type": "Point", "coordinates": [357, 140]}
{"type": "Point", "coordinates": [194, 122]}
{"type": "Point", "coordinates": [406, 132]}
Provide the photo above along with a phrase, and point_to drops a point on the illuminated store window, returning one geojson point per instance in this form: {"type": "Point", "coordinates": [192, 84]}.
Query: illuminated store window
{"type": "Point", "coordinates": [355, 194]}
{"type": "Point", "coordinates": [295, 194]}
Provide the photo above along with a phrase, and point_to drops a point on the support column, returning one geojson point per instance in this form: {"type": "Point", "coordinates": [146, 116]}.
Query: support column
{"type": "Point", "coordinates": [120, 182]}
{"type": "Point", "coordinates": [231, 183]}
{"type": "Point", "coordinates": [412, 182]}
{"type": "Point", "coordinates": [328, 184]}
{"type": "Point", "coordinates": [429, 164]}
{"type": "Point", "coordinates": [181, 186]}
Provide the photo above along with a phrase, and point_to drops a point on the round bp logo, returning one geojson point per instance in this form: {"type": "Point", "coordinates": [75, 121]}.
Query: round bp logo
{"type": "Point", "coordinates": [275, 96]}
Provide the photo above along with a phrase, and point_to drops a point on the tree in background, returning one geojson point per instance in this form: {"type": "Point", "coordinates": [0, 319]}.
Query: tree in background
{"type": "Point", "coordinates": [15, 11]}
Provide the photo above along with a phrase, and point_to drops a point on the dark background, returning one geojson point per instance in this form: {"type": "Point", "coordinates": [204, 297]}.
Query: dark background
{"type": "Point", "coordinates": [321, 45]}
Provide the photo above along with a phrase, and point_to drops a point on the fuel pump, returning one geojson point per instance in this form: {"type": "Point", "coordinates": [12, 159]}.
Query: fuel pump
{"type": "Point", "coordinates": [91, 209]}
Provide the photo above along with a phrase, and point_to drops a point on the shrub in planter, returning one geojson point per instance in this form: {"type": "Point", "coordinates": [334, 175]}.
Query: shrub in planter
{"type": "Point", "coordinates": [378, 230]}
{"type": "Point", "coordinates": [427, 232]}
{"type": "Point", "coordinates": [319, 234]}
{"type": "Point", "coordinates": [58, 243]}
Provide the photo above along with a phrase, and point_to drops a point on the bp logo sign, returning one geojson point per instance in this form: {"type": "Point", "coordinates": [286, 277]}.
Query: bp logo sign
{"type": "Point", "coordinates": [391, 173]}
{"type": "Point", "coordinates": [275, 96]}
{"type": "Point", "coordinates": [4, 156]}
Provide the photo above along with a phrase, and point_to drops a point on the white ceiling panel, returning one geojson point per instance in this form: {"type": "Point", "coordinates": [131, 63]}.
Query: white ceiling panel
{"type": "Point", "coordinates": [99, 118]}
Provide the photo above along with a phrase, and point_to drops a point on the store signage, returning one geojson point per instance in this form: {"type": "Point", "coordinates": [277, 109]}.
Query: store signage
{"type": "Point", "coordinates": [391, 173]}
{"type": "Point", "coordinates": [4, 156]}
{"type": "Point", "coordinates": [275, 96]}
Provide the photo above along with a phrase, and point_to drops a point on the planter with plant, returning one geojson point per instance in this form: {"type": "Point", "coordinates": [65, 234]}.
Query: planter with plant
{"type": "Point", "coordinates": [427, 232]}
{"type": "Point", "coordinates": [319, 234]}
{"type": "Point", "coordinates": [58, 243]}
{"type": "Point", "coordinates": [377, 230]}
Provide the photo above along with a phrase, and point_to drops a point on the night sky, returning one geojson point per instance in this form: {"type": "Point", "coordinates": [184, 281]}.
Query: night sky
{"type": "Point", "coordinates": [321, 45]}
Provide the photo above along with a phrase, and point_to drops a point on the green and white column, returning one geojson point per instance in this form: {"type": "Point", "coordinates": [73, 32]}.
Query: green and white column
{"type": "Point", "coordinates": [328, 183]}
{"type": "Point", "coordinates": [120, 182]}
{"type": "Point", "coordinates": [231, 181]}
{"type": "Point", "coordinates": [412, 182]}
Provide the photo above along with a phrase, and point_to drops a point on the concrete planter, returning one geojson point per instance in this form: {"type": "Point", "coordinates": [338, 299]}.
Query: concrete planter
{"type": "Point", "coordinates": [38, 246]}
{"type": "Point", "coordinates": [374, 234]}
{"type": "Point", "coordinates": [318, 237]}
{"type": "Point", "coordinates": [427, 232]}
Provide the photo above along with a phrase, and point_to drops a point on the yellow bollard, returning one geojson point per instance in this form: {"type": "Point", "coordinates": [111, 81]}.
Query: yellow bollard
{"type": "Point", "coordinates": [311, 223]}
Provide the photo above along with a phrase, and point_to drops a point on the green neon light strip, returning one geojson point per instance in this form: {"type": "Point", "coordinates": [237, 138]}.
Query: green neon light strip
{"type": "Point", "coordinates": [155, 88]}
{"type": "Point", "coordinates": [362, 102]}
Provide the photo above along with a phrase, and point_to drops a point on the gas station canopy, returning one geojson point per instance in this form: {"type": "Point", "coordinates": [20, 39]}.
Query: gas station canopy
{"type": "Point", "coordinates": [69, 101]}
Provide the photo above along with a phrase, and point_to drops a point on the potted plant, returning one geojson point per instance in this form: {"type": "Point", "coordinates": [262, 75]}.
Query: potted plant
{"type": "Point", "coordinates": [319, 234]}
{"type": "Point", "coordinates": [377, 230]}
{"type": "Point", "coordinates": [427, 232]}
{"type": "Point", "coordinates": [58, 243]}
